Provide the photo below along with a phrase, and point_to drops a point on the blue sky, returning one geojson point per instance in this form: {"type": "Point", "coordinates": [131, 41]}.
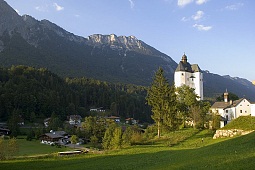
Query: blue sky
{"type": "Point", "coordinates": [219, 35]}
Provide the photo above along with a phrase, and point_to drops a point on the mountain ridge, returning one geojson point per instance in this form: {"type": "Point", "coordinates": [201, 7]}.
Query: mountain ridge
{"type": "Point", "coordinates": [27, 41]}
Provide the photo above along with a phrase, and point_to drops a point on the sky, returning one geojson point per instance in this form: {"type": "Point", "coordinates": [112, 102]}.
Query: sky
{"type": "Point", "coordinates": [218, 35]}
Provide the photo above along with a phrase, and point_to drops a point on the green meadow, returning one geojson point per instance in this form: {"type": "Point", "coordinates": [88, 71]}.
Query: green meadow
{"type": "Point", "coordinates": [178, 150]}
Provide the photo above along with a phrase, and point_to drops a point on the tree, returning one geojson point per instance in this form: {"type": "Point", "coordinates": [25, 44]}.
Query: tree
{"type": "Point", "coordinates": [116, 140]}
{"type": "Point", "coordinates": [161, 98]}
{"type": "Point", "coordinates": [188, 104]}
{"type": "Point", "coordinates": [126, 137]}
{"type": "Point", "coordinates": [231, 96]}
{"type": "Point", "coordinates": [74, 139]}
{"type": "Point", "coordinates": [108, 135]}
{"type": "Point", "coordinates": [8, 149]}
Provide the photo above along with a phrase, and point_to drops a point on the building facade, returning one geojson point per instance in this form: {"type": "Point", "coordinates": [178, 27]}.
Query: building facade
{"type": "Point", "coordinates": [190, 75]}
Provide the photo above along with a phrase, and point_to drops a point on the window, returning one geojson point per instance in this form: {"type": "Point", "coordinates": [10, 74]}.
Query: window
{"type": "Point", "coordinates": [182, 74]}
{"type": "Point", "coordinates": [245, 111]}
{"type": "Point", "coordinates": [226, 111]}
{"type": "Point", "coordinates": [241, 111]}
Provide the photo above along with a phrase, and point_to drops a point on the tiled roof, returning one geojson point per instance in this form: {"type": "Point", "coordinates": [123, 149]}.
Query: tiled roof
{"type": "Point", "coordinates": [225, 105]}
{"type": "Point", "coordinates": [222, 105]}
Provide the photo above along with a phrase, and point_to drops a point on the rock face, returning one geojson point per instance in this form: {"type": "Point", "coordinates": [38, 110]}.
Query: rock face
{"type": "Point", "coordinates": [230, 133]}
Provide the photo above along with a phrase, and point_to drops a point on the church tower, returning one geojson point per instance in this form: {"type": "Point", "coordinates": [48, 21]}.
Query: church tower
{"type": "Point", "coordinates": [190, 75]}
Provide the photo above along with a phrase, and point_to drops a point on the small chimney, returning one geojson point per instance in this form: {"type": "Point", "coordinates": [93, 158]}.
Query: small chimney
{"type": "Point", "coordinates": [231, 102]}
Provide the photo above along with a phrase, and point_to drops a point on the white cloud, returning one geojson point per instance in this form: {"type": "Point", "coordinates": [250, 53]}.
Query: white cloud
{"type": "Point", "coordinates": [184, 19]}
{"type": "Point", "coordinates": [132, 5]}
{"type": "Point", "coordinates": [234, 6]}
{"type": "Point", "coordinates": [58, 7]}
{"type": "Point", "coordinates": [200, 2]}
{"type": "Point", "coordinates": [41, 8]}
{"type": "Point", "coordinates": [77, 15]}
{"type": "Point", "coordinates": [202, 27]}
{"type": "Point", "coordinates": [183, 3]}
{"type": "Point", "coordinates": [198, 15]}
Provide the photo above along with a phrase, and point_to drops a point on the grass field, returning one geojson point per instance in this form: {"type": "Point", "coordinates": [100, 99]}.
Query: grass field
{"type": "Point", "coordinates": [33, 148]}
{"type": "Point", "coordinates": [191, 153]}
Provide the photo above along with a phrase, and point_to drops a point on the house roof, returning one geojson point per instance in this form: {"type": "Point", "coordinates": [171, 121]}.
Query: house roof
{"type": "Point", "coordinates": [224, 105]}
{"type": "Point", "coordinates": [75, 117]}
{"type": "Point", "coordinates": [221, 105]}
{"type": "Point", "coordinates": [113, 117]}
{"type": "Point", "coordinates": [53, 136]}
{"type": "Point", "coordinates": [56, 134]}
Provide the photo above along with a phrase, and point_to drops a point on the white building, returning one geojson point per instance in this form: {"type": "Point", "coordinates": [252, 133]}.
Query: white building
{"type": "Point", "coordinates": [230, 110]}
{"type": "Point", "coordinates": [190, 75]}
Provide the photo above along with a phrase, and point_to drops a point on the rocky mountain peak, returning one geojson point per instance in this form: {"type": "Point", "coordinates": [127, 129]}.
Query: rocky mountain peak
{"type": "Point", "coordinates": [29, 20]}
{"type": "Point", "coordinates": [9, 18]}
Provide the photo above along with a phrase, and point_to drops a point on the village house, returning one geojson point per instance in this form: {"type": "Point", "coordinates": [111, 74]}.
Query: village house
{"type": "Point", "coordinates": [131, 121]}
{"type": "Point", "coordinates": [53, 137]}
{"type": "Point", "coordinates": [229, 110]}
{"type": "Point", "coordinates": [100, 109]}
{"type": "Point", "coordinates": [114, 118]}
{"type": "Point", "coordinates": [75, 119]}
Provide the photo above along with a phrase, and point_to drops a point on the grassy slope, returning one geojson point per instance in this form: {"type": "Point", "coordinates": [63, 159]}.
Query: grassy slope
{"type": "Point", "coordinates": [236, 153]}
{"type": "Point", "coordinates": [242, 122]}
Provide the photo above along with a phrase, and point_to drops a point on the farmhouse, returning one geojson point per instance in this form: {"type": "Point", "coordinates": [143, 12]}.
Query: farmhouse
{"type": "Point", "coordinates": [54, 137]}
{"type": "Point", "coordinates": [75, 119]}
{"type": "Point", "coordinates": [230, 110]}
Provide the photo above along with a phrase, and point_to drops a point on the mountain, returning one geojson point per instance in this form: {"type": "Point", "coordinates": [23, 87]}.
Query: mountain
{"type": "Point", "coordinates": [27, 41]}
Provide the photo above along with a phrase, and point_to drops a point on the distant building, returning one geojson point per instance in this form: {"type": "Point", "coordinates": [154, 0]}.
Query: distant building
{"type": "Point", "coordinates": [46, 122]}
{"type": "Point", "coordinates": [190, 75]}
{"type": "Point", "coordinates": [131, 121]}
{"type": "Point", "coordinates": [100, 109]}
{"type": "Point", "coordinates": [75, 119]}
{"type": "Point", "coordinates": [230, 110]}
{"type": "Point", "coordinates": [114, 118]}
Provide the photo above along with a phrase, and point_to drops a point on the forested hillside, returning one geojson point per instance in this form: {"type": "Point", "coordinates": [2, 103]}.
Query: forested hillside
{"type": "Point", "coordinates": [37, 93]}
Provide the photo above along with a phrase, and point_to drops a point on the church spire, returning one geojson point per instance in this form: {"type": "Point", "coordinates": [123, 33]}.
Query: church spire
{"type": "Point", "coordinates": [184, 58]}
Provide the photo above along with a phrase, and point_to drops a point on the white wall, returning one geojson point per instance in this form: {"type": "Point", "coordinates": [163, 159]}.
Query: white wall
{"type": "Point", "coordinates": [252, 109]}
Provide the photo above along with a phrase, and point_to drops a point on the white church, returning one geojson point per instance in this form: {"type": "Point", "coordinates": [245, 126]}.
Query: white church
{"type": "Point", "coordinates": [190, 75]}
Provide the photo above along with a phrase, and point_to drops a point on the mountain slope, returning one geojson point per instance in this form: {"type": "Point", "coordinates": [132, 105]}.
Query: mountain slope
{"type": "Point", "coordinates": [27, 41]}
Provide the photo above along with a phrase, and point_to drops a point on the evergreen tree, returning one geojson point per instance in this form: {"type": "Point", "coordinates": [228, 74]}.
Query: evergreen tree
{"type": "Point", "coordinates": [108, 135]}
{"type": "Point", "coordinates": [161, 99]}
{"type": "Point", "coordinates": [116, 140]}
{"type": "Point", "coordinates": [126, 137]}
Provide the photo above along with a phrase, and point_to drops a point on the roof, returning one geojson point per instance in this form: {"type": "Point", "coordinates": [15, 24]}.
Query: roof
{"type": "Point", "coordinates": [53, 135]}
{"type": "Point", "coordinates": [224, 105]}
{"type": "Point", "coordinates": [75, 117]}
{"type": "Point", "coordinates": [56, 134]}
{"type": "Point", "coordinates": [113, 117]}
{"type": "Point", "coordinates": [195, 68]}
{"type": "Point", "coordinates": [221, 105]}
{"type": "Point", "coordinates": [184, 67]}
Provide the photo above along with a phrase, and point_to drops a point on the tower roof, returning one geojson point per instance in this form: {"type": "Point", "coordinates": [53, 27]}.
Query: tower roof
{"type": "Point", "coordinates": [184, 65]}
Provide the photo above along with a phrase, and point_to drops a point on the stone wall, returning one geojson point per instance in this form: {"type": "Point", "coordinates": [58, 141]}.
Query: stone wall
{"type": "Point", "coordinates": [230, 133]}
